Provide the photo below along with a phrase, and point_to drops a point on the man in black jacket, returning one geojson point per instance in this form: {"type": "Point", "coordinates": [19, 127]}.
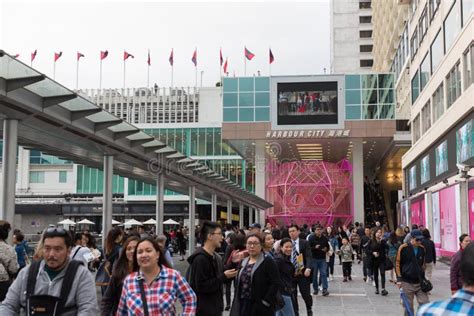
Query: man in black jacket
{"type": "Point", "coordinates": [303, 270]}
{"type": "Point", "coordinates": [319, 245]}
{"type": "Point", "coordinates": [206, 275]}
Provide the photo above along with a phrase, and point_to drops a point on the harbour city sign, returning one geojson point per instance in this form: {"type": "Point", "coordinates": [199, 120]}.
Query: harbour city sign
{"type": "Point", "coordinates": [318, 133]}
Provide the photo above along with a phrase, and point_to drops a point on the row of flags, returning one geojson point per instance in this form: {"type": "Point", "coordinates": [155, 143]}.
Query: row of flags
{"type": "Point", "coordinates": [103, 54]}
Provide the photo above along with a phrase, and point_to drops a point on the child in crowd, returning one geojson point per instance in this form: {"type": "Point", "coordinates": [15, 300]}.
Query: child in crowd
{"type": "Point", "coordinates": [346, 253]}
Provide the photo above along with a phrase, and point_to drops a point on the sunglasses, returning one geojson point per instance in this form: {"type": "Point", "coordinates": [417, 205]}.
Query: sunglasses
{"type": "Point", "coordinates": [56, 230]}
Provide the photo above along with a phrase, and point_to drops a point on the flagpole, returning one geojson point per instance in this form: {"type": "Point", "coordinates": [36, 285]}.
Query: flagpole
{"type": "Point", "coordinates": [269, 62]}
{"type": "Point", "coordinates": [54, 71]}
{"type": "Point", "coordinates": [124, 63]}
{"type": "Point", "coordinates": [172, 67]}
{"type": "Point", "coordinates": [196, 76]}
{"type": "Point", "coordinates": [100, 77]}
{"type": "Point", "coordinates": [77, 74]}
{"type": "Point", "coordinates": [148, 77]}
{"type": "Point", "coordinates": [245, 65]}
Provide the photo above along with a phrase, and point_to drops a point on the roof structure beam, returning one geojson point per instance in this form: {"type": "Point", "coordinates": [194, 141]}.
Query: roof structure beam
{"type": "Point", "coordinates": [103, 125]}
{"type": "Point", "coordinates": [120, 135]}
{"type": "Point", "coordinates": [76, 115]}
{"type": "Point", "coordinates": [55, 100]}
{"type": "Point", "coordinates": [138, 142]}
{"type": "Point", "coordinates": [150, 149]}
{"type": "Point", "coordinates": [18, 83]}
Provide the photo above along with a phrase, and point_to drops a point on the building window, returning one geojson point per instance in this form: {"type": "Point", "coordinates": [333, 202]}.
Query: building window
{"type": "Point", "coordinates": [416, 129]}
{"type": "Point", "coordinates": [366, 62]}
{"type": "Point", "coordinates": [424, 72]}
{"type": "Point", "coordinates": [365, 34]}
{"type": "Point", "coordinates": [467, 10]}
{"type": "Point", "coordinates": [433, 7]}
{"type": "Point", "coordinates": [437, 51]}
{"type": "Point", "coordinates": [62, 176]}
{"type": "Point", "coordinates": [365, 4]}
{"type": "Point", "coordinates": [453, 81]}
{"type": "Point", "coordinates": [415, 87]}
{"type": "Point", "coordinates": [425, 117]}
{"type": "Point", "coordinates": [36, 176]}
{"type": "Point", "coordinates": [468, 58]}
{"type": "Point", "coordinates": [414, 44]}
{"type": "Point", "coordinates": [438, 102]}
{"type": "Point", "coordinates": [452, 25]}
{"type": "Point", "coordinates": [423, 25]}
{"type": "Point", "coordinates": [365, 19]}
{"type": "Point", "coordinates": [366, 48]}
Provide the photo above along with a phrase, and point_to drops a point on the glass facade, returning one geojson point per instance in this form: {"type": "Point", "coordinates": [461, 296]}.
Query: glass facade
{"type": "Point", "coordinates": [36, 176]}
{"type": "Point", "coordinates": [415, 87]}
{"type": "Point", "coordinates": [246, 99]}
{"type": "Point", "coordinates": [424, 71]}
{"type": "Point", "coordinates": [453, 82]}
{"type": "Point", "coordinates": [38, 158]}
{"type": "Point", "coordinates": [452, 25]}
{"type": "Point", "coordinates": [91, 180]}
{"type": "Point", "coordinates": [437, 51]}
{"type": "Point", "coordinates": [370, 97]}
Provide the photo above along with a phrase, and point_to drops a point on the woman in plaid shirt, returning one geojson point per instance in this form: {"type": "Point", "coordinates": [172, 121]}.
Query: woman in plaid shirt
{"type": "Point", "coordinates": [162, 285]}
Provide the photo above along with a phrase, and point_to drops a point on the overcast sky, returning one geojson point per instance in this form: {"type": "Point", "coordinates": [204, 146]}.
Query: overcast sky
{"type": "Point", "coordinates": [298, 33]}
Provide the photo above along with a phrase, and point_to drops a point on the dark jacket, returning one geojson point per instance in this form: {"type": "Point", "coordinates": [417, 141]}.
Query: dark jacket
{"type": "Point", "coordinates": [111, 298]}
{"type": "Point", "coordinates": [364, 244]}
{"type": "Point", "coordinates": [306, 251]}
{"type": "Point", "coordinates": [430, 251]}
{"type": "Point", "coordinates": [455, 271]}
{"type": "Point", "coordinates": [207, 280]}
{"type": "Point", "coordinates": [380, 247]}
{"type": "Point", "coordinates": [405, 268]}
{"type": "Point", "coordinates": [320, 252]}
{"type": "Point", "coordinates": [264, 287]}
{"type": "Point", "coordinates": [287, 272]}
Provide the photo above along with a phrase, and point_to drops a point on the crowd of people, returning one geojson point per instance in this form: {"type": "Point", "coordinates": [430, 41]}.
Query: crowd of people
{"type": "Point", "coordinates": [246, 271]}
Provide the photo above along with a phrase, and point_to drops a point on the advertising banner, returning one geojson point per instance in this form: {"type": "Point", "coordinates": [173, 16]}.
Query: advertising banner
{"type": "Point", "coordinates": [464, 147]}
{"type": "Point", "coordinates": [448, 220]}
{"type": "Point", "coordinates": [470, 203]}
{"type": "Point", "coordinates": [418, 212]}
{"type": "Point", "coordinates": [436, 219]}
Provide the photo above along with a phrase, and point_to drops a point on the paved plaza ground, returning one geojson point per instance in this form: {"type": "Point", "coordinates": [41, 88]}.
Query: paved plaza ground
{"type": "Point", "coordinates": [358, 298]}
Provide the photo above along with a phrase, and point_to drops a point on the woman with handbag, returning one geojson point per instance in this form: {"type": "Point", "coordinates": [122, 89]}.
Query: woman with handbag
{"type": "Point", "coordinates": [8, 261]}
{"type": "Point", "coordinates": [377, 254]}
{"type": "Point", "coordinates": [122, 267]}
{"type": "Point", "coordinates": [257, 282]}
{"type": "Point", "coordinates": [154, 288]}
{"type": "Point", "coordinates": [287, 273]}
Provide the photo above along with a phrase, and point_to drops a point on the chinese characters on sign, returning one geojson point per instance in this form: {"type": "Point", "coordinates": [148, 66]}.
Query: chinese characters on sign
{"type": "Point", "coordinates": [321, 133]}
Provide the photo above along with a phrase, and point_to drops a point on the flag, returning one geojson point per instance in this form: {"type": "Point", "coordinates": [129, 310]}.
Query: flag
{"type": "Point", "coordinates": [126, 55]}
{"type": "Point", "coordinates": [171, 58]}
{"type": "Point", "coordinates": [149, 59]}
{"type": "Point", "coordinates": [248, 54]}
{"type": "Point", "coordinates": [33, 55]}
{"type": "Point", "coordinates": [221, 58]}
{"type": "Point", "coordinates": [104, 54]}
{"type": "Point", "coordinates": [271, 56]}
{"type": "Point", "coordinates": [79, 55]}
{"type": "Point", "coordinates": [57, 55]}
{"type": "Point", "coordinates": [194, 59]}
{"type": "Point", "coordinates": [16, 56]}
{"type": "Point", "coordinates": [225, 66]}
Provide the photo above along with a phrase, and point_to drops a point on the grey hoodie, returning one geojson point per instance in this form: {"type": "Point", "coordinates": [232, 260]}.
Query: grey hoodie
{"type": "Point", "coordinates": [82, 293]}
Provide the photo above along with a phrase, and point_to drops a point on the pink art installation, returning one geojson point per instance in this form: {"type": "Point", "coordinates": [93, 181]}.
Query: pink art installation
{"type": "Point", "coordinates": [310, 192]}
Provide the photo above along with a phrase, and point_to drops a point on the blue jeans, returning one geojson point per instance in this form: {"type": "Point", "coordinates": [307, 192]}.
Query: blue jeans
{"type": "Point", "coordinates": [320, 265]}
{"type": "Point", "coordinates": [287, 309]}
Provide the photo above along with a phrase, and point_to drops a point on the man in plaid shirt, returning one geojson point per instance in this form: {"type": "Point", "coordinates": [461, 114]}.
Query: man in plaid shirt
{"type": "Point", "coordinates": [462, 302]}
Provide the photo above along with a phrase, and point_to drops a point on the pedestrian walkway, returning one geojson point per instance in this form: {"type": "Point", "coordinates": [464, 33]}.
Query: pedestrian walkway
{"type": "Point", "coordinates": [359, 298]}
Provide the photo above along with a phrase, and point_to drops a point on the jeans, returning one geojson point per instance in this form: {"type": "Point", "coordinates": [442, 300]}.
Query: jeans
{"type": "Point", "coordinates": [320, 265]}
{"type": "Point", "coordinates": [287, 310]}
{"type": "Point", "coordinates": [366, 266]}
{"type": "Point", "coordinates": [330, 265]}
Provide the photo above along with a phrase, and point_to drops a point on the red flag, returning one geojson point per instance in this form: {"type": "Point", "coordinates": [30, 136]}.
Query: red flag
{"type": "Point", "coordinates": [16, 56]}
{"type": "Point", "coordinates": [33, 55]}
{"type": "Point", "coordinates": [57, 55]}
{"type": "Point", "coordinates": [194, 59]}
{"type": "Point", "coordinates": [126, 55]}
{"type": "Point", "coordinates": [79, 55]}
{"type": "Point", "coordinates": [271, 57]}
{"type": "Point", "coordinates": [149, 59]}
{"type": "Point", "coordinates": [221, 58]}
{"type": "Point", "coordinates": [225, 66]}
{"type": "Point", "coordinates": [171, 58]}
{"type": "Point", "coordinates": [248, 54]}
{"type": "Point", "coordinates": [104, 54]}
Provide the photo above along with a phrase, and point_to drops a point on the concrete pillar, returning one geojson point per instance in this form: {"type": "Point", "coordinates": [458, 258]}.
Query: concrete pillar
{"type": "Point", "coordinates": [429, 211]}
{"type": "Point", "coordinates": [160, 205]}
{"type": "Point", "coordinates": [229, 211]}
{"type": "Point", "coordinates": [464, 208]}
{"type": "Point", "coordinates": [23, 180]}
{"type": "Point", "coordinates": [107, 197]}
{"type": "Point", "coordinates": [358, 181]}
{"type": "Point", "coordinates": [214, 207]}
{"type": "Point", "coordinates": [241, 215]}
{"type": "Point", "coordinates": [260, 185]}
{"type": "Point", "coordinates": [251, 215]}
{"type": "Point", "coordinates": [7, 189]}
{"type": "Point", "coordinates": [192, 219]}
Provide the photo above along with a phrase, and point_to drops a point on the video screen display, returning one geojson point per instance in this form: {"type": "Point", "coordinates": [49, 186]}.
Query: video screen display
{"type": "Point", "coordinates": [307, 103]}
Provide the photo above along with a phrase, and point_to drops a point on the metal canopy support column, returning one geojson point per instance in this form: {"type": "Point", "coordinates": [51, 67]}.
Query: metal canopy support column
{"type": "Point", "coordinates": [229, 211]}
{"type": "Point", "coordinates": [214, 207]}
{"type": "Point", "coordinates": [7, 193]}
{"type": "Point", "coordinates": [192, 219]}
{"type": "Point", "coordinates": [250, 215]}
{"type": "Point", "coordinates": [160, 205]}
{"type": "Point", "coordinates": [358, 181]}
{"type": "Point", "coordinates": [107, 197]}
{"type": "Point", "coordinates": [241, 215]}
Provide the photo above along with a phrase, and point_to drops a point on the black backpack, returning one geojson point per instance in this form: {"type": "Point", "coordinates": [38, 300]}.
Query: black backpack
{"type": "Point", "coordinates": [47, 304]}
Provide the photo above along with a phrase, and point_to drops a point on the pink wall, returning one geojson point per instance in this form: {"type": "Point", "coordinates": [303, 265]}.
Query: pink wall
{"type": "Point", "coordinates": [418, 212]}
{"type": "Point", "coordinates": [470, 203]}
{"type": "Point", "coordinates": [448, 221]}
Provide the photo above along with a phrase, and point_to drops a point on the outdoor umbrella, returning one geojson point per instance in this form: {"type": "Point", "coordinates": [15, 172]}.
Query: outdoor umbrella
{"type": "Point", "coordinates": [114, 222]}
{"type": "Point", "coordinates": [151, 221]}
{"type": "Point", "coordinates": [170, 222]}
{"type": "Point", "coordinates": [132, 222]}
{"type": "Point", "coordinates": [86, 221]}
{"type": "Point", "coordinates": [66, 222]}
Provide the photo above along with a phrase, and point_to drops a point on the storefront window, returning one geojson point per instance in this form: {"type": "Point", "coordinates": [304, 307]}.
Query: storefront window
{"type": "Point", "coordinates": [452, 25]}
{"type": "Point", "coordinates": [437, 51]}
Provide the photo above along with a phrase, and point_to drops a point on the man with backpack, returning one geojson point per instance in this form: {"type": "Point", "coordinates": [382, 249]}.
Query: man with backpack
{"type": "Point", "coordinates": [206, 274]}
{"type": "Point", "coordinates": [55, 285]}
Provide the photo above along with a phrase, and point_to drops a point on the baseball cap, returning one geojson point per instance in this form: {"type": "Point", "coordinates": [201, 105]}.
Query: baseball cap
{"type": "Point", "coordinates": [417, 234]}
{"type": "Point", "coordinates": [256, 225]}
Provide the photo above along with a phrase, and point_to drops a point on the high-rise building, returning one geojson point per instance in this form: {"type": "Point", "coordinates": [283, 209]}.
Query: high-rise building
{"type": "Point", "coordinates": [351, 36]}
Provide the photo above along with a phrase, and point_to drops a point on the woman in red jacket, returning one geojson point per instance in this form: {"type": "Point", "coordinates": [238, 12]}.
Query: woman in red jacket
{"type": "Point", "coordinates": [455, 270]}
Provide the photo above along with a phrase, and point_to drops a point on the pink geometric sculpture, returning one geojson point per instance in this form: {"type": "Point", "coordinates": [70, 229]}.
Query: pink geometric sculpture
{"type": "Point", "coordinates": [310, 192]}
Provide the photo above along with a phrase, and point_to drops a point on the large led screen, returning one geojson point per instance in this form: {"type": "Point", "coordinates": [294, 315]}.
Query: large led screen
{"type": "Point", "coordinates": [303, 103]}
